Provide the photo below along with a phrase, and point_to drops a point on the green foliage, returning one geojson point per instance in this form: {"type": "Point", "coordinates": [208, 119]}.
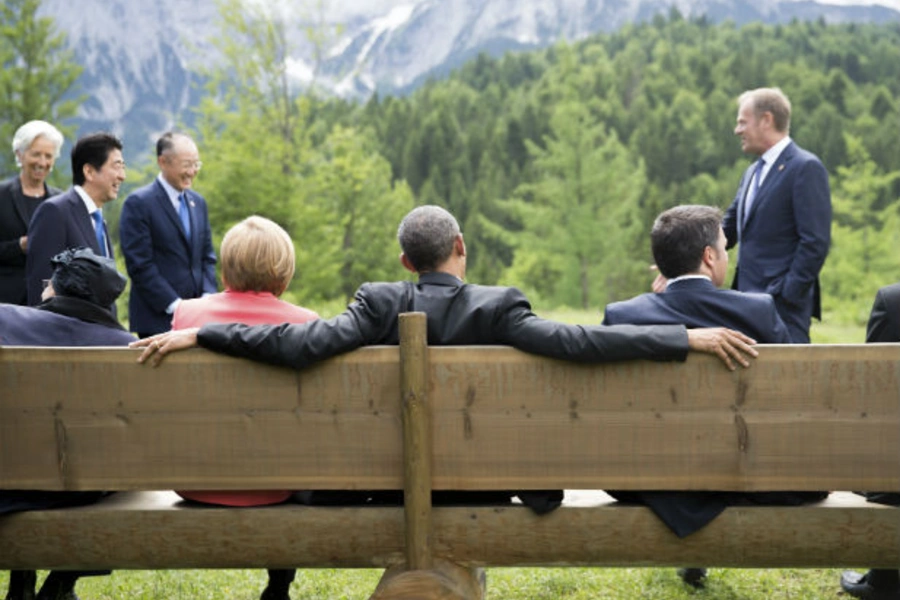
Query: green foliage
{"type": "Point", "coordinates": [271, 151]}
{"type": "Point", "coordinates": [36, 72]}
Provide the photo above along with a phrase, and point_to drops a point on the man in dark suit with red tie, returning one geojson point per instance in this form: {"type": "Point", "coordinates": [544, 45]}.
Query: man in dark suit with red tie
{"type": "Point", "coordinates": [781, 216]}
{"type": "Point", "coordinates": [75, 218]}
{"type": "Point", "coordinates": [166, 239]}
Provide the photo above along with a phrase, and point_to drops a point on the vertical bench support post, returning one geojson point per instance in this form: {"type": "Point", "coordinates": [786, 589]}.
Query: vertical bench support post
{"type": "Point", "coordinates": [416, 440]}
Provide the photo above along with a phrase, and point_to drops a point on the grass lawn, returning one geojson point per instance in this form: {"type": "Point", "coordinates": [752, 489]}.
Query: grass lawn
{"type": "Point", "coordinates": [503, 584]}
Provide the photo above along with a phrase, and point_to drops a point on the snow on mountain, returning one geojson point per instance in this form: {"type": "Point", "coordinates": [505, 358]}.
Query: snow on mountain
{"type": "Point", "coordinates": [140, 59]}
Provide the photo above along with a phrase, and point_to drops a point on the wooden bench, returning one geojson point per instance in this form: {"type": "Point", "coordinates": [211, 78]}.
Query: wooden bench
{"type": "Point", "coordinates": [464, 418]}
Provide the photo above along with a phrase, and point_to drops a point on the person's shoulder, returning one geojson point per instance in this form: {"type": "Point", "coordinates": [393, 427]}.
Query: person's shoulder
{"type": "Point", "coordinates": [636, 305]}
{"type": "Point", "coordinates": [144, 192]}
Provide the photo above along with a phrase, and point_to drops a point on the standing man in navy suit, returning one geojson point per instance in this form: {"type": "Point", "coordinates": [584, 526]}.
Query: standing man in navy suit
{"type": "Point", "coordinates": [781, 215]}
{"type": "Point", "coordinates": [166, 239]}
{"type": "Point", "coordinates": [75, 218]}
{"type": "Point", "coordinates": [688, 245]}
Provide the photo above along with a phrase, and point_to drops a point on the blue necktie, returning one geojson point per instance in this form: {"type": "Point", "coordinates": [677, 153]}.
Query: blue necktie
{"type": "Point", "coordinates": [184, 214]}
{"type": "Point", "coordinates": [754, 187]}
{"type": "Point", "coordinates": [100, 231]}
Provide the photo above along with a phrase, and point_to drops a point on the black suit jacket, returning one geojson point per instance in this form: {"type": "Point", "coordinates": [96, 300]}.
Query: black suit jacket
{"type": "Point", "coordinates": [698, 303]}
{"type": "Point", "coordinates": [15, 214]}
{"type": "Point", "coordinates": [884, 327]}
{"type": "Point", "coordinates": [59, 223]}
{"type": "Point", "coordinates": [458, 314]}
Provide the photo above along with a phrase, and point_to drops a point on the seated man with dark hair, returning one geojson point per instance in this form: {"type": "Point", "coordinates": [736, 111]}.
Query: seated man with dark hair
{"type": "Point", "coordinates": [74, 312]}
{"type": "Point", "coordinates": [688, 245]}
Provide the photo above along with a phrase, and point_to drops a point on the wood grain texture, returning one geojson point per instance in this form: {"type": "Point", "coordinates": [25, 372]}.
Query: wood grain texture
{"type": "Point", "coordinates": [416, 440]}
{"type": "Point", "coordinates": [801, 418]}
{"type": "Point", "coordinates": [844, 530]}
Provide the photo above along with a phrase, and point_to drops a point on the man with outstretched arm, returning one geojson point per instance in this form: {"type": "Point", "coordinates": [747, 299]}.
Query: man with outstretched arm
{"type": "Point", "coordinates": [458, 314]}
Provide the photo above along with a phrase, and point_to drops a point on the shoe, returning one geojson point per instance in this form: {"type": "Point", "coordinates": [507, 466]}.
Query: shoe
{"type": "Point", "coordinates": [693, 576]}
{"type": "Point", "coordinates": [21, 585]}
{"type": "Point", "coordinates": [877, 584]}
{"type": "Point", "coordinates": [279, 585]}
{"type": "Point", "coordinates": [59, 585]}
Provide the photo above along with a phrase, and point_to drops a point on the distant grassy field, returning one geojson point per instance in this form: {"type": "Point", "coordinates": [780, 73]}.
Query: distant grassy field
{"type": "Point", "coordinates": [503, 584]}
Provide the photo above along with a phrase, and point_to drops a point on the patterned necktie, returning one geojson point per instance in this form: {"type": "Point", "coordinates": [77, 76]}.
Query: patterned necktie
{"type": "Point", "coordinates": [184, 214]}
{"type": "Point", "coordinates": [754, 187]}
{"type": "Point", "coordinates": [100, 231]}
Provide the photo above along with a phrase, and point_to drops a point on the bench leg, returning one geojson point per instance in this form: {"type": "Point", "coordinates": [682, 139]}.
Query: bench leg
{"type": "Point", "coordinates": [444, 581]}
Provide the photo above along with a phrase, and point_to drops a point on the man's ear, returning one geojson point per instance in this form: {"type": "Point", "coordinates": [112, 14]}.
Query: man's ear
{"type": "Point", "coordinates": [404, 260]}
{"type": "Point", "coordinates": [459, 245]}
{"type": "Point", "coordinates": [709, 257]}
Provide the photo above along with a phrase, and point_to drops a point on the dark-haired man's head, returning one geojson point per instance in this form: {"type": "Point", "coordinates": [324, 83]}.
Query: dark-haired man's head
{"type": "Point", "coordinates": [429, 237]}
{"type": "Point", "coordinates": [98, 166]}
{"type": "Point", "coordinates": [688, 240]}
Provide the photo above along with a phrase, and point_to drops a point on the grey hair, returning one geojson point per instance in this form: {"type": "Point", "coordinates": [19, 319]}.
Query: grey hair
{"type": "Point", "coordinates": [426, 236]}
{"type": "Point", "coordinates": [30, 131]}
{"type": "Point", "coordinates": [773, 100]}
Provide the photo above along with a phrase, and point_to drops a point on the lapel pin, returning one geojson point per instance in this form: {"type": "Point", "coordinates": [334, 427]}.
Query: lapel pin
{"type": "Point", "coordinates": [781, 167]}
{"type": "Point", "coordinates": [192, 202]}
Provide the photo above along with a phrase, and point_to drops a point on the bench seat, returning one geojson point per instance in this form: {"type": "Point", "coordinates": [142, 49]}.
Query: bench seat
{"type": "Point", "coordinates": [157, 530]}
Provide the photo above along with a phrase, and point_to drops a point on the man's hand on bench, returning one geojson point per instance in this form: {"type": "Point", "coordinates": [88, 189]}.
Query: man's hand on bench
{"type": "Point", "coordinates": [728, 344]}
{"type": "Point", "coordinates": [157, 346]}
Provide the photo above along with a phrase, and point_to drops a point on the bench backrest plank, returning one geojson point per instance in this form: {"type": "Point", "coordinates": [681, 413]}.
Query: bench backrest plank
{"type": "Point", "coordinates": [802, 417]}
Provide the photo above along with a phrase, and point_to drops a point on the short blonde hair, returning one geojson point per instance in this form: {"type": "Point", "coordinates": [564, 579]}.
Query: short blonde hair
{"type": "Point", "coordinates": [257, 256]}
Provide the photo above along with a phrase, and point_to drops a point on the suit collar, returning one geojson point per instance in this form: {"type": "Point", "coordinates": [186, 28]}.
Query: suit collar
{"type": "Point", "coordinates": [691, 284]}
{"type": "Point", "coordinates": [438, 278]}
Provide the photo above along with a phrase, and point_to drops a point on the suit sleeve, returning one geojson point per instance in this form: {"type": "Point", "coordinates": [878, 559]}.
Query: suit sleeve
{"type": "Point", "coordinates": [730, 219]}
{"type": "Point", "coordinates": [518, 326]}
{"type": "Point", "coordinates": [883, 326]}
{"type": "Point", "coordinates": [136, 236]}
{"type": "Point", "coordinates": [210, 286]}
{"type": "Point", "coordinates": [46, 238]}
{"type": "Point", "coordinates": [812, 214]}
{"type": "Point", "coordinates": [367, 321]}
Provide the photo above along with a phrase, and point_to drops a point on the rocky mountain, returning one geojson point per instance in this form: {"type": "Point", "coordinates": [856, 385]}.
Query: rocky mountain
{"type": "Point", "coordinates": [141, 59]}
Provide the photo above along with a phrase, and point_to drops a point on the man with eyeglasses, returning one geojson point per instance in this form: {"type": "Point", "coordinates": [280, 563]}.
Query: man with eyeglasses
{"type": "Point", "coordinates": [74, 218]}
{"type": "Point", "coordinates": [166, 239]}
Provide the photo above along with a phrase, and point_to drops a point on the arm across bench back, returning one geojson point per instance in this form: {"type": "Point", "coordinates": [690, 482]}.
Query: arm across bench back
{"type": "Point", "coordinates": [800, 418]}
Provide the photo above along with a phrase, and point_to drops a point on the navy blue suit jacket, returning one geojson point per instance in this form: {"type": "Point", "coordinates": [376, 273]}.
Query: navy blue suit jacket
{"type": "Point", "coordinates": [162, 262]}
{"type": "Point", "coordinates": [785, 238]}
{"type": "Point", "coordinates": [29, 326]}
{"type": "Point", "coordinates": [58, 223]}
{"type": "Point", "coordinates": [699, 303]}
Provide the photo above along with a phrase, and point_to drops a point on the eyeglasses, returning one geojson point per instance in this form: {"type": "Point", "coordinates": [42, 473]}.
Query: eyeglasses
{"type": "Point", "coordinates": [192, 164]}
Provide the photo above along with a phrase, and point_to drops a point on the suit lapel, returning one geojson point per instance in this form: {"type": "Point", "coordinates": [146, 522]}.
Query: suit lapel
{"type": "Point", "coordinates": [166, 206]}
{"type": "Point", "coordinates": [776, 172]}
{"type": "Point", "coordinates": [83, 220]}
{"type": "Point", "coordinates": [19, 202]}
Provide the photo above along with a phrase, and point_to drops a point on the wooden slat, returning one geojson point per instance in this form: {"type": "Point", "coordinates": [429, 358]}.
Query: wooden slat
{"type": "Point", "coordinates": [802, 417]}
{"type": "Point", "coordinates": [95, 419]}
{"type": "Point", "coordinates": [845, 530]}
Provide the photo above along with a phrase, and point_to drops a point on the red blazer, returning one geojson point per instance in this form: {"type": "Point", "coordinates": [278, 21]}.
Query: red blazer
{"type": "Point", "coordinates": [250, 308]}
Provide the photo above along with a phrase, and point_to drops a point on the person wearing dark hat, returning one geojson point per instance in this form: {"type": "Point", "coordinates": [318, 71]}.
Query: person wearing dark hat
{"type": "Point", "coordinates": [74, 312]}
